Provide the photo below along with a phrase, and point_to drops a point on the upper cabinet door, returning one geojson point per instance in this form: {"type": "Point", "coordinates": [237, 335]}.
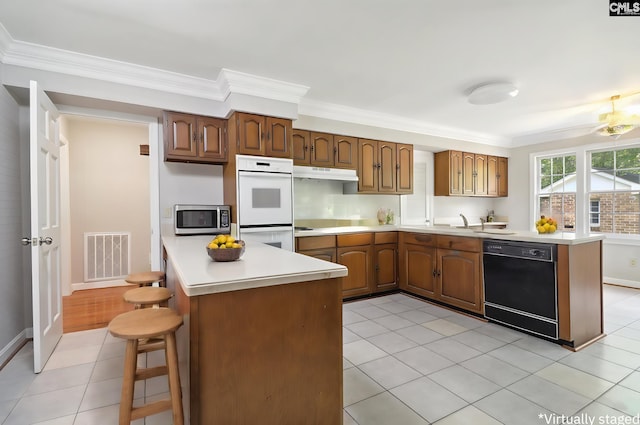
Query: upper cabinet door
{"type": "Point", "coordinates": [180, 136]}
{"type": "Point", "coordinates": [278, 142]}
{"type": "Point", "coordinates": [386, 167]}
{"type": "Point", "coordinates": [503, 176]}
{"type": "Point", "coordinates": [404, 167]}
{"type": "Point", "coordinates": [250, 134]}
{"type": "Point", "coordinates": [367, 165]}
{"type": "Point", "coordinates": [480, 170]}
{"type": "Point", "coordinates": [346, 152]}
{"type": "Point", "coordinates": [300, 142]}
{"type": "Point", "coordinates": [212, 138]}
{"type": "Point", "coordinates": [468, 173]}
{"type": "Point", "coordinates": [456, 171]}
{"type": "Point", "coordinates": [322, 149]}
{"type": "Point", "coordinates": [492, 176]}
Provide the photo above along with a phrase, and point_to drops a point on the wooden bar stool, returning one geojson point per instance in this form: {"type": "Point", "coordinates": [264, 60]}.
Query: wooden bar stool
{"type": "Point", "coordinates": [148, 296]}
{"type": "Point", "coordinates": [148, 323]}
{"type": "Point", "coordinates": [146, 278]}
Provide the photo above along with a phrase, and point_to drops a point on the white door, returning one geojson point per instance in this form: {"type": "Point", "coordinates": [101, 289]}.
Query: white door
{"type": "Point", "coordinates": [45, 225]}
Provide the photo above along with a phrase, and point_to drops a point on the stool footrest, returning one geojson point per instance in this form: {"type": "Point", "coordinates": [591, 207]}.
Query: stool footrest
{"type": "Point", "coordinates": [150, 409]}
{"type": "Point", "coordinates": [150, 372]}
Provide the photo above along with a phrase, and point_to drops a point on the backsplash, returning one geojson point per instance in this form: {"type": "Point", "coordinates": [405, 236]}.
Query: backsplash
{"type": "Point", "coordinates": [323, 199]}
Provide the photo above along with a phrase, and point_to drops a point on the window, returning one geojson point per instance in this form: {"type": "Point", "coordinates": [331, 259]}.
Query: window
{"type": "Point", "coordinates": [556, 190]}
{"type": "Point", "coordinates": [594, 214]}
{"type": "Point", "coordinates": [614, 183]}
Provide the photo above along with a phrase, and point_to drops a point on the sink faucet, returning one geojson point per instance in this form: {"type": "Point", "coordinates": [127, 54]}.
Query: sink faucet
{"type": "Point", "coordinates": [482, 220]}
{"type": "Point", "coordinates": [465, 221]}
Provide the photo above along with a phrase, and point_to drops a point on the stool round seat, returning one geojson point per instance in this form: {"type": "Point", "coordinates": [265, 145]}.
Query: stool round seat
{"type": "Point", "coordinates": [147, 295]}
{"type": "Point", "coordinates": [145, 323]}
{"type": "Point", "coordinates": [145, 278]}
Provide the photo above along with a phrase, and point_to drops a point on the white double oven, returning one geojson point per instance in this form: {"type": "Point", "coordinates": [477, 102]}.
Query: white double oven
{"type": "Point", "coordinates": [265, 200]}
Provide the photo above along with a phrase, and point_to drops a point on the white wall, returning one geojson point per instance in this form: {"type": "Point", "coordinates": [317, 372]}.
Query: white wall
{"type": "Point", "coordinates": [12, 300]}
{"type": "Point", "coordinates": [109, 186]}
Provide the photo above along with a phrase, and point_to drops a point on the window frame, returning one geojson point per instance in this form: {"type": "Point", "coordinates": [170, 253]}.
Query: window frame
{"type": "Point", "coordinates": [583, 163]}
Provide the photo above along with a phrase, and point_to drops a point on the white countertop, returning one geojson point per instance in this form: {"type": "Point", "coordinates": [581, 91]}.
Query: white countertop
{"type": "Point", "coordinates": [260, 265]}
{"type": "Point", "coordinates": [562, 238]}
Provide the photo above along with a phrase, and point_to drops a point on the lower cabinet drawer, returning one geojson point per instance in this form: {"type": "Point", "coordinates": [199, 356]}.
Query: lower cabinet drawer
{"type": "Point", "coordinates": [355, 239]}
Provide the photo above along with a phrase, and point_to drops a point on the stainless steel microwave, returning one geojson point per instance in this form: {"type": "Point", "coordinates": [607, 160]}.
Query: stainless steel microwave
{"type": "Point", "coordinates": [202, 219]}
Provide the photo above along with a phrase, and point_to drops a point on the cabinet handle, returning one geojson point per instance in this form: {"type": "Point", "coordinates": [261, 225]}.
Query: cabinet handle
{"type": "Point", "coordinates": [312, 148]}
{"type": "Point", "coordinates": [438, 273]}
{"type": "Point", "coordinates": [434, 273]}
{"type": "Point", "coordinates": [306, 148]}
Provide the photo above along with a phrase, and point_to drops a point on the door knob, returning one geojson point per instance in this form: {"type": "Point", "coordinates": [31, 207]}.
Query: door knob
{"type": "Point", "coordinates": [46, 241]}
{"type": "Point", "coordinates": [28, 241]}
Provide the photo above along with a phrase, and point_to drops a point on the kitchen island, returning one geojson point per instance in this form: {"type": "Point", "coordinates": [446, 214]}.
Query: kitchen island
{"type": "Point", "coordinates": [262, 340]}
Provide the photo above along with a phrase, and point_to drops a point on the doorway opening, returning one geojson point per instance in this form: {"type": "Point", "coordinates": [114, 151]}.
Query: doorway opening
{"type": "Point", "coordinates": [106, 210]}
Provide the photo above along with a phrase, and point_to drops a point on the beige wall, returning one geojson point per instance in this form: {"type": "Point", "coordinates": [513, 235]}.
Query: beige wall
{"type": "Point", "coordinates": [108, 186]}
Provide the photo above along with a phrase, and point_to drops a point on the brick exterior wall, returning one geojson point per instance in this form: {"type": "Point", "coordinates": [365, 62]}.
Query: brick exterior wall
{"type": "Point", "coordinates": [621, 210]}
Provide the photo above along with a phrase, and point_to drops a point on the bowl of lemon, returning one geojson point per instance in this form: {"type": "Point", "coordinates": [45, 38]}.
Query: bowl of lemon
{"type": "Point", "coordinates": [225, 248]}
{"type": "Point", "coordinates": [546, 225]}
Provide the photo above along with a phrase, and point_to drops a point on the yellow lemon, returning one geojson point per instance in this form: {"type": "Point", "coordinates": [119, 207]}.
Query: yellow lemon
{"type": "Point", "coordinates": [229, 244]}
{"type": "Point", "coordinates": [223, 246]}
{"type": "Point", "coordinates": [541, 229]}
{"type": "Point", "coordinates": [230, 239]}
{"type": "Point", "coordinates": [552, 229]}
{"type": "Point", "coordinates": [222, 239]}
{"type": "Point", "coordinates": [212, 246]}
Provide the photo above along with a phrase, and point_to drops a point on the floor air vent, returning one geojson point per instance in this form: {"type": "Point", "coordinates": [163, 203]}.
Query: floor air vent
{"type": "Point", "coordinates": [106, 255]}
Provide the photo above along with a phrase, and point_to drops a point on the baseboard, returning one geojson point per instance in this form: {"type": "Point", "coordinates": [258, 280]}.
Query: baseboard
{"type": "Point", "coordinates": [98, 284]}
{"type": "Point", "coordinates": [8, 351]}
{"type": "Point", "coordinates": [621, 282]}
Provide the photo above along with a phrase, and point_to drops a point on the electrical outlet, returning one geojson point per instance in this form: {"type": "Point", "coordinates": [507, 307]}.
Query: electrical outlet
{"type": "Point", "coordinates": [168, 212]}
{"type": "Point", "coordinates": [633, 262]}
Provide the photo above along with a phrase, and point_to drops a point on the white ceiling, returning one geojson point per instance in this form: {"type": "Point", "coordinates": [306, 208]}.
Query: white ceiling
{"type": "Point", "coordinates": [414, 60]}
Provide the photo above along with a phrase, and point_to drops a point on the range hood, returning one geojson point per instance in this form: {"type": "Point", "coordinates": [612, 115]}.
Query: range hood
{"type": "Point", "coordinates": [321, 173]}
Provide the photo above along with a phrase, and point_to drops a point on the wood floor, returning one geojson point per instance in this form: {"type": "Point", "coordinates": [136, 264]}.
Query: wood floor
{"type": "Point", "coordinates": [93, 308]}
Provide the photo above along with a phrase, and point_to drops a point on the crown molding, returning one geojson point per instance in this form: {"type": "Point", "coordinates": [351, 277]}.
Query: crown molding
{"type": "Point", "coordinates": [393, 122]}
{"type": "Point", "coordinates": [29, 55]}
{"type": "Point", "coordinates": [552, 135]}
{"type": "Point", "coordinates": [5, 42]}
{"type": "Point", "coordinates": [242, 83]}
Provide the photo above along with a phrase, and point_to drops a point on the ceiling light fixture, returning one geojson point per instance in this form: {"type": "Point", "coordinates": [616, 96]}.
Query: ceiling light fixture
{"type": "Point", "coordinates": [490, 93]}
{"type": "Point", "coordinates": [617, 122]}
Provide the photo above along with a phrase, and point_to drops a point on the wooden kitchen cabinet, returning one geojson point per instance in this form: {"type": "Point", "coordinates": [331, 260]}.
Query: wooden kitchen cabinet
{"type": "Point", "coordinates": [300, 144]}
{"type": "Point", "coordinates": [322, 247]}
{"type": "Point", "coordinates": [459, 279]}
{"type": "Point", "coordinates": [367, 165]}
{"type": "Point", "coordinates": [383, 166]}
{"type": "Point", "coordinates": [443, 268]}
{"type": "Point", "coordinates": [192, 138]}
{"type": "Point", "coordinates": [355, 251]}
{"type": "Point", "coordinates": [503, 176]}
{"type": "Point", "coordinates": [321, 150]}
{"type": "Point", "coordinates": [346, 152]}
{"type": "Point", "coordinates": [404, 168]}
{"type": "Point", "coordinates": [418, 264]}
{"type": "Point", "coordinates": [385, 261]}
{"type": "Point", "coordinates": [469, 174]}
{"type": "Point", "coordinates": [262, 136]}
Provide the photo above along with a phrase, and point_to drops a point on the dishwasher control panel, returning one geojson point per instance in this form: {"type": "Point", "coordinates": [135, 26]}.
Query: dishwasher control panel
{"type": "Point", "coordinates": [525, 250]}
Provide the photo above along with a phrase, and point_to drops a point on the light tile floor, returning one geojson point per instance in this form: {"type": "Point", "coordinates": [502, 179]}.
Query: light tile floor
{"type": "Point", "coordinates": [405, 362]}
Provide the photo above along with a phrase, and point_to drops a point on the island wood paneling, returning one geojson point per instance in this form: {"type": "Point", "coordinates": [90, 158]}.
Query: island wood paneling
{"type": "Point", "coordinates": [269, 355]}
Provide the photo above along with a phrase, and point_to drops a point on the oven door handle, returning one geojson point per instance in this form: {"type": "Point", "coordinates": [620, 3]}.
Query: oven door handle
{"type": "Point", "coordinates": [266, 229]}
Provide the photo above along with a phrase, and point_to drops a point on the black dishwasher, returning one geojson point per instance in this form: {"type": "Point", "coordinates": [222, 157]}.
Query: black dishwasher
{"type": "Point", "coordinates": [520, 286]}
